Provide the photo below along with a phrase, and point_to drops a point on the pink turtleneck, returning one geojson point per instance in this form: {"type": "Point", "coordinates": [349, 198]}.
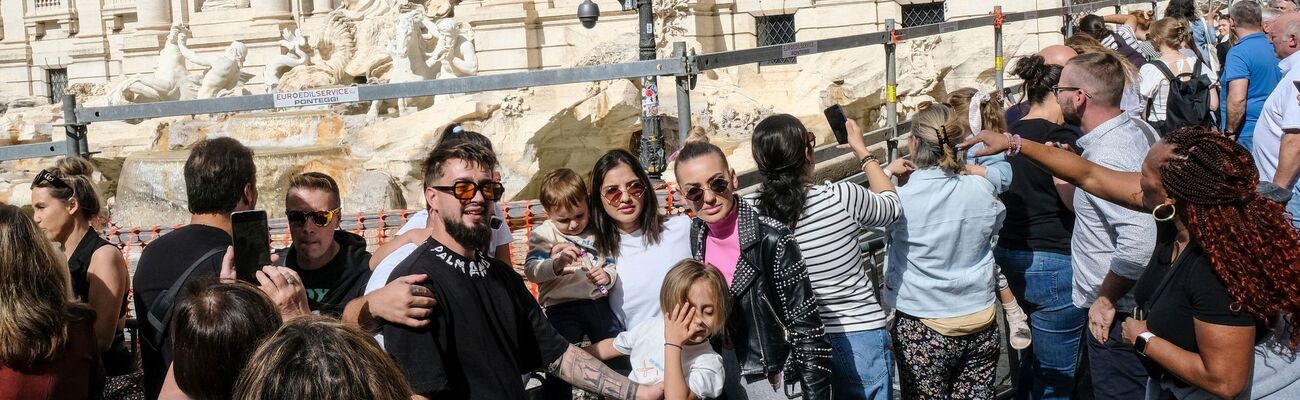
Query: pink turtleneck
{"type": "Point", "coordinates": [722, 246]}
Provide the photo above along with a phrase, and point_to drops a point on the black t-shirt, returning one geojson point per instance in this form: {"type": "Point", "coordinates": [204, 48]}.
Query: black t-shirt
{"type": "Point", "coordinates": [333, 285]}
{"type": "Point", "coordinates": [1037, 217]}
{"type": "Point", "coordinates": [161, 263]}
{"type": "Point", "coordinates": [321, 281]}
{"type": "Point", "coordinates": [1194, 291]}
{"type": "Point", "coordinates": [485, 332]}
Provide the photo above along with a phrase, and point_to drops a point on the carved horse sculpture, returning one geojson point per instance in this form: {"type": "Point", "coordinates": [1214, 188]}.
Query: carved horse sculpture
{"type": "Point", "coordinates": [411, 35]}
{"type": "Point", "coordinates": [297, 46]}
{"type": "Point", "coordinates": [166, 83]}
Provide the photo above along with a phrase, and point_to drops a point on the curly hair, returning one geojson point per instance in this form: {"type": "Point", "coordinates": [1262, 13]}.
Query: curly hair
{"type": "Point", "coordinates": [1248, 239]}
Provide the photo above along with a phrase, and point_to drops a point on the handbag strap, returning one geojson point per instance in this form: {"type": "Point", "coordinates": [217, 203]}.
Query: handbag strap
{"type": "Point", "coordinates": [160, 310]}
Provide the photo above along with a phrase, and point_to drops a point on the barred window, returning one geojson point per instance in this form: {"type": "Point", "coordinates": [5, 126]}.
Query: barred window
{"type": "Point", "coordinates": [776, 29]}
{"type": "Point", "coordinates": [922, 14]}
{"type": "Point", "coordinates": [57, 81]}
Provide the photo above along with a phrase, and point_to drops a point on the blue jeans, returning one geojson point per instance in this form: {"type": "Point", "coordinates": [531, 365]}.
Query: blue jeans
{"type": "Point", "coordinates": [1042, 283]}
{"type": "Point", "coordinates": [1293, 206]}
{"type": "Point", "coordinates": [862, 364]}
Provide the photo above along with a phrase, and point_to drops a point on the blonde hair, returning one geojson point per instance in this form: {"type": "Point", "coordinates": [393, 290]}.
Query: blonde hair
{"type": "Point", "coordinates": [563, 189]}
{"type": "Point", "coordinates": [320, 358]}
{"type": "Point", "coordinates": [1173, 33]}
{"type": "Point", "coordinates": [1084, 44]}
{"type": "Point", "coordinates": [683, 275]}
{"type": "Point", "coordinates": [937, 130]}
{"type": "Point", "coordinates": [36, 304]}
{"type": "Point", "coordinates": [992, 115]}
{"type": "Point", "coordinates": [317, 181]}
{"type": "Point", "coordinates": [75, 172]}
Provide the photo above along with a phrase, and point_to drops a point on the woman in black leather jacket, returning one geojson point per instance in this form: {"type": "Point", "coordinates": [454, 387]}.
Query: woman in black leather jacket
{"type": "Point", "coordinates": [775, 333]}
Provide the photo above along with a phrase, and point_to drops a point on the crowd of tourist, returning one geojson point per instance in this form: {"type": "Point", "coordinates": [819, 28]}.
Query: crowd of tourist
{"type": "Point", "coordinates": [1132, 217]}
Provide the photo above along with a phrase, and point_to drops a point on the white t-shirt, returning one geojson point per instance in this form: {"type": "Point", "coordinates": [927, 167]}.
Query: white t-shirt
{"type": "Point", "coordinates": [644, 345]}
{"type": "Point", "coordinates": [1280, 112]}
{"type": "Point", "coordinates": [644, 268]}
{"type": "Point", "coordinates": [1153, 85]}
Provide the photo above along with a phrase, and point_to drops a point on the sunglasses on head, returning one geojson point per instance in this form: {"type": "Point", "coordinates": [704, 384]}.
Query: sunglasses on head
{"type": "Point", "coordinates": [465, 190]}
{"type": "Point", "coordinates": [320, 218]}
{"type": "Point", "coordinates": [614, 193]}
{"type": "Point", "coordinates": [718, 185]}
{"type": "Point", "coordinates": [45, 177]}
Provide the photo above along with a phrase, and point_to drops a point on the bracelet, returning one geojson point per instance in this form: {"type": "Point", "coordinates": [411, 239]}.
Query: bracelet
{"type": "Point", "coordinates": [869, 158]}
{"type": "Point", "coordinates": [1018, 142]}
{"type": "Point", "coordinates": [678, 346]}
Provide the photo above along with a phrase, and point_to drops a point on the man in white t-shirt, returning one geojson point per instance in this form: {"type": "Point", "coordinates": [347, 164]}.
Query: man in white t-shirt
{"type": "Point", "coordinates": [1277, 133]}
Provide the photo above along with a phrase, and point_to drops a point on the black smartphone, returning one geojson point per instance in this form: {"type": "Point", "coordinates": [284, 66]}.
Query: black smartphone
{"type": "Point", "coordinates": [835, 117]}
{"type": "Point", "coordinates": [252, 241]}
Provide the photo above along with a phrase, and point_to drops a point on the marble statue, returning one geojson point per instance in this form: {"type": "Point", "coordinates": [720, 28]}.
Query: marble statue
{"type": "Point", "coordinates": [334, 48]}
{"type": "Point", "coordinates": [297, 55]}
{"type": "Point", "coordinates": [410, 61]}
{"type": "Point", "coordinates": [455, 55]}
{"type": "Point", "coordinates": [166, 83]}
{"type": "Point", "coordinates": [223, 70]}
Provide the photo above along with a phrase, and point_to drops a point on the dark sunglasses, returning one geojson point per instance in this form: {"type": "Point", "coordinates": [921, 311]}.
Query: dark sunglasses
{"type": "Point", "coordinates": [718, 185]}
{"type": "Point", "coordinates": [45, 177]}
{"type": "Point", "coordinates": [465, 190]}
{"type": "Point", "coordinates": [614, 193]}
{"type": "Point", "coordinates": [321, 218]}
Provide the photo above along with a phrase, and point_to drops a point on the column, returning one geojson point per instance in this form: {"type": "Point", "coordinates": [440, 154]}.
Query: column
{"type": "Point", "coordinates": [272, 11]}
{"type": "Point", "coordinates": [153, 15]}
{"type": "Point", "coordinates": [321, 7]}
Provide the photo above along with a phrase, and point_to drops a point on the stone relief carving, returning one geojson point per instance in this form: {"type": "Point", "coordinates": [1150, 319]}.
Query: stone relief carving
{"type": "Point", "coordinates": [297, 55]}
{"type": "Point", "coordinates": [223, 73]}
{"type": "Point", "coordinates": [166, 83]}
{"type": "Point", "coordinates": [334, 49]}
{"type": "Point", "coordinates": [453, 55]}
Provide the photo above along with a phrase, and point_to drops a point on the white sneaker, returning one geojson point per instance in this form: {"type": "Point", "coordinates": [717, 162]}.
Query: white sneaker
{"type": "Point", "coordinates": [1018, 323]}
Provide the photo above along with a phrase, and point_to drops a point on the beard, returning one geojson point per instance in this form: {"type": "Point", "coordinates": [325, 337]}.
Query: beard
{"type": "Point", "coordinates": [1071, 115]}
{"type": "Point", "coordinates": [474, 237]}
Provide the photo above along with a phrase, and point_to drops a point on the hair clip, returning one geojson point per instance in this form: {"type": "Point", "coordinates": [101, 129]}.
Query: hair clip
{"type": "Point", "coordinates": [457, 129]}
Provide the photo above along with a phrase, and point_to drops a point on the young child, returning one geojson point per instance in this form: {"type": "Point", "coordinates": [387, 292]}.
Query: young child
{"type": "Point", "coordinates": [674, 349]}
{"type": "Point", "coordinates": [984, 110]}
{"type": "Point", "coordinates": [572, 282]}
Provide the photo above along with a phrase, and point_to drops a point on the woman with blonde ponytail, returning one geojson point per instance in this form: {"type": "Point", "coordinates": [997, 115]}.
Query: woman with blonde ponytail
{"type": "Point", "coordinates": [941, 274]}
{"type": "Point", "coordinates": [1172, 36]}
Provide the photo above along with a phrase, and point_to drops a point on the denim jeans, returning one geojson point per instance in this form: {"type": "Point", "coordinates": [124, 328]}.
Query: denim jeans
{"type": "Point", "coordinates": [1041, 282]}
{"type": "Point", "coordinates": [1293, 206]}
{"type": "Point", "coordinates": [862, 364]}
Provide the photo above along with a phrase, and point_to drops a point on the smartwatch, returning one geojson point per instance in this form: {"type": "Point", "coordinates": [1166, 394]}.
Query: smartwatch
{"type": "Point", "coordinates": [1140, 344]}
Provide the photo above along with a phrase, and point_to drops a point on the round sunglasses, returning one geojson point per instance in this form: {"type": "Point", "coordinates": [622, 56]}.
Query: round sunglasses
{"type": "Point", "coordinates": [718, 185]}
{"type": "Point", "coordinates": [613, 194]}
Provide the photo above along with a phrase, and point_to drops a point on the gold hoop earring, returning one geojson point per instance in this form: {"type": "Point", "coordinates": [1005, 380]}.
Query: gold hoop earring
{"type": "Point", "coordinates": [1155, 212]}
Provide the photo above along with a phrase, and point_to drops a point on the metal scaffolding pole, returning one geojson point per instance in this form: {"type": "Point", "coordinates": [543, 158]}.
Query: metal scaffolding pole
{"type": "Point", "coordinates": [75, 142]}
{"type": "Point", "coordinates": [684, 82]}
{"type": "Point", "coordinates": [1068, 18]}
{"type": "Point", "coordinates": [998, 61]}
{"type": "Point", "coordinates": [891, 89]}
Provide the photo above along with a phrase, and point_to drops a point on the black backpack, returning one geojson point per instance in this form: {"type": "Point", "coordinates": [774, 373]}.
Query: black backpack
{"type": "Point", "coordinates": [1133, 55]}
{"type": "Point", "coordinates": [1189, 99]}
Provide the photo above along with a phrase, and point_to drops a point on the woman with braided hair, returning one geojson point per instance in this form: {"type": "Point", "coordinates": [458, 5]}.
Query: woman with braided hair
{"type": "Point", "coordinates": [1224, 264]}
{"type": "Point", "coordinates": [941, 274]}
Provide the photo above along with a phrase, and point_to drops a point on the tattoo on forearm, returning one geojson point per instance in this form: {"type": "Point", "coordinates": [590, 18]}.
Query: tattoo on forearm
{"type": "Point", "coordinates": [580, 369]}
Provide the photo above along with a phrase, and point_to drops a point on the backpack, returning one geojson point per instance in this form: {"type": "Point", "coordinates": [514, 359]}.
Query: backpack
{"type": "Point", "coordinates": [1133, 55]}
{"type": "Point", "coordinates": [1189, 100]}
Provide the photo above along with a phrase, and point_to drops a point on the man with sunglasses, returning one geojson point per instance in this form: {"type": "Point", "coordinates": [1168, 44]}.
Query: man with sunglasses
{"type": "Point", "coordinates": [486, 329]}
{"type": "Point", "coordinates": [1111, 244]}
{"type": "Point", "coordinates": [332, 263]}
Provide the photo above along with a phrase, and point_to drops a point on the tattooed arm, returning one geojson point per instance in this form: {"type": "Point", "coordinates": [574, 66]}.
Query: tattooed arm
{"type": "Point", "coordinates": [580, 369]}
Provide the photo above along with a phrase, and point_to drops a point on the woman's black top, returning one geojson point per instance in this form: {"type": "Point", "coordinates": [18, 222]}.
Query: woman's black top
{"type": "Point", "coordinates": [118, 359]}
{"type": "Point", "coordinates": [1193, 291]}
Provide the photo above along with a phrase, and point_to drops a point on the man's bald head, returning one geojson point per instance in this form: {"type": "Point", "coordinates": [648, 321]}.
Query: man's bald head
{"type": "Point", "coordinates": [1285, 35]}
{"type": "Point", "coordinates": [1057, 54]}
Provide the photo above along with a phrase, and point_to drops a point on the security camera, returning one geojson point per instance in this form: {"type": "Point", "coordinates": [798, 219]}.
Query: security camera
{"type": "Point", "coordinates": [588, 13]}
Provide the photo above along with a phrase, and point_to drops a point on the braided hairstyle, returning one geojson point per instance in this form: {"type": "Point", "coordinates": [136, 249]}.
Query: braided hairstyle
{"type": "Point", "coordinates": [1249, 240]}
{"type": "Point", "coordinates": [936, 130]}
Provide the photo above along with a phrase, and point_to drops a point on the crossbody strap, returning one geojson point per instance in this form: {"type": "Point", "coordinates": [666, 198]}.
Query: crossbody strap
{"type": "Point", "coordinates": [160, 311]}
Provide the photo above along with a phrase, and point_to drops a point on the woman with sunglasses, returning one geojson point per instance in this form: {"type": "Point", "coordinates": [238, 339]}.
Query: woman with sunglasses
{"type": "Point", "coordinates": [65, 205]}
{"type": "Point", "coordinates": [828, 220]}
{"type": "Point", "coordinates": [761, 263]}
{"type": "Point", "coordinates": [625, 216]}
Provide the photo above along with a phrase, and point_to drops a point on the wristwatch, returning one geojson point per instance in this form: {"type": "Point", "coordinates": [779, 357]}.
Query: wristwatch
{"type": "Point", "coordinates": [1140, 344]}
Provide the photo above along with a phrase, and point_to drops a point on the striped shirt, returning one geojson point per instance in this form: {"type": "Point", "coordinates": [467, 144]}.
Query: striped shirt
{"type": "Point", "coordinates": [828, 233]}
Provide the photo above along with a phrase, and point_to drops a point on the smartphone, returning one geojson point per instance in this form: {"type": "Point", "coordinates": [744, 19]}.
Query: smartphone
{"type": "Point", "coordinates": [252, 241]}
{"type": "Point", "coordinates": [835, 117]}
